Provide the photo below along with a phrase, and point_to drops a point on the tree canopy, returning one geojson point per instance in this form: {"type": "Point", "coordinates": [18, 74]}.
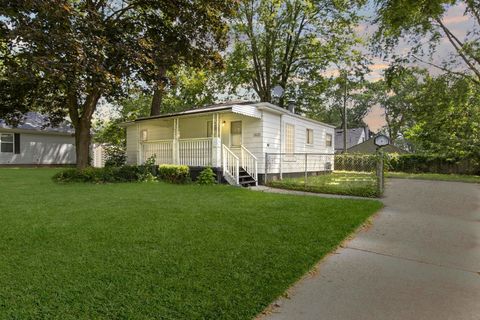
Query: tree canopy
{"type": "Point", "coordinates": [61, 56]}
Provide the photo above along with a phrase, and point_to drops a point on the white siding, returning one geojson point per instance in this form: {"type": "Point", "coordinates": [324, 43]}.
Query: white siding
{"type": "Point", "coordinates": [274, 142]}
{"type": "Point", "coordinates": [42, 148]}
{"type": "Point", "coordinates": [132, 144]}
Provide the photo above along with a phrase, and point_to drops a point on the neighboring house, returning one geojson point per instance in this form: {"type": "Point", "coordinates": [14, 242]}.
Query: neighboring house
{"type": "Point", "coordinates": [33, 142]}
{"type": "Point", "coordinates": [354, 136]}
{"type": "Point", "coordinates": [233, 139]}
{"type": "Point", "coordinates": [370, 147]}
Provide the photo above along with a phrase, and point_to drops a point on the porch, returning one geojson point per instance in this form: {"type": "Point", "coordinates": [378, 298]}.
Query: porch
{"type": "Point", "coordinates": [200, 141]}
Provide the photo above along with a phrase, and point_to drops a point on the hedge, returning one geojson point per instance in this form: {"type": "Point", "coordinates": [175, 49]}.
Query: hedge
{"type": "Point", "coordinates": [428, 163]}
{"type": "Point", "coordinates": [106, 174]}
{"type": "Point", "coordinates": [410, 163]}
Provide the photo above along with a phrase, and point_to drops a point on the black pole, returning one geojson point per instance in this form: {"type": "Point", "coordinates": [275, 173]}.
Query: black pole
{"type": "Point", "coordinates": [345, 115]}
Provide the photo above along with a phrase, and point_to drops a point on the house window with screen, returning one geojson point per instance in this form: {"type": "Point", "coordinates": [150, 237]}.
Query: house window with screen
{"type": "Point", "coordinates": [289, 138]}
{"type": "Point", "coordinates": [328, 140]}
{"type": "Point", "coordinates": [236, 133]}
{"type": "Point", "coordinates": [6, 142]}
{"type": "Point", "coordinates": [309, 136]}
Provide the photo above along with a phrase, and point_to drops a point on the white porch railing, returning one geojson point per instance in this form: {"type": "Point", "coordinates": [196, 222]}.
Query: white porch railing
{"type": "Point", "coordinates": [195, 152]}
{"type": "Point", "coordinates": [162, 149]}
{"type": "Point", "coordinates": [231, 166]}
{"type": "Point", "coordinates": [249, 162]}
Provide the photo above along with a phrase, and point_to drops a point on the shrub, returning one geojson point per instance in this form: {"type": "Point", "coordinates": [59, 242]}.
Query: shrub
{"type": "Point", "coordinates": [106, 175]}
{"type": "Point", "coordinates": [206, 177]}
{"type": "Point", "coordinates": [174, 173]}
{"type": "Point", "coordinates": [115, 156]}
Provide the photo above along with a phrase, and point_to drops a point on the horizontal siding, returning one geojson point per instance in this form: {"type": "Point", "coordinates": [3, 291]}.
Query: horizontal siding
{"type": "Point", "coordinates": [42, 149]}
{"type": "Point", "coordinates": [132, 144]}
{"type": "Point", "coordinates": [274, 143]}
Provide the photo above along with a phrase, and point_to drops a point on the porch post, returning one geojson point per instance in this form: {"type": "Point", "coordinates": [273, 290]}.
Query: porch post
{"type": "Point", "coordinates": [175, 146]}
{"type": "Point", "coordinates": [216, 142]}
{"type": "Point", "coordinates": [139, 146]}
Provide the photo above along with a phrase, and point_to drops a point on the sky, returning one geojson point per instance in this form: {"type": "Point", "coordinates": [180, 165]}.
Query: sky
{"type": "Point", "coordinates": [456, 22]}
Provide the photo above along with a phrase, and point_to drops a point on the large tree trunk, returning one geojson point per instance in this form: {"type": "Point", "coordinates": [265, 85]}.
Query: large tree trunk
{"type": "Point", "coordinates": [82, 141]}
{"type": "Point", "coordinates": [82, 121]}
{"type": "Point", "coordinates": [158, 92]}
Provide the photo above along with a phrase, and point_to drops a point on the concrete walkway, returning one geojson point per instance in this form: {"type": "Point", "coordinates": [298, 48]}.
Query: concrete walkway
{"type": "Point", "coordinates": [419, 260]}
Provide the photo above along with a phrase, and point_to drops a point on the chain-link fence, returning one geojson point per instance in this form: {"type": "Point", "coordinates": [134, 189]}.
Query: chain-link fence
{"type": "Point", "coordinates": [348, 174]}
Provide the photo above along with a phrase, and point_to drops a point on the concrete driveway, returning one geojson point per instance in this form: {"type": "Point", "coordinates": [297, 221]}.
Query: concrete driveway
{"type": "Point", "coordinates": [419, 260]}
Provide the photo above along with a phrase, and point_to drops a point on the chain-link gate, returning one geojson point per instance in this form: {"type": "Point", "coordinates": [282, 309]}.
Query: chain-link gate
{"type": "Point", "coordinates": [350, 174]}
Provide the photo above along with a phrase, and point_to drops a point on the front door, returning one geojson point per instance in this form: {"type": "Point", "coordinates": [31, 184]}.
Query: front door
{"type": "Point", "coordinates": [235, 134]}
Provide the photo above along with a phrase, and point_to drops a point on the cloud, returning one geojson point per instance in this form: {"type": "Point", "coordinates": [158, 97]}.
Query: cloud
{"type": "Point", "coordinates": [449, 20]}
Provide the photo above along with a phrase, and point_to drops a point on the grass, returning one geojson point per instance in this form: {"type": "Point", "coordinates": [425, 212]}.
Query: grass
{"type": "Point", "coordinates": [346, 183]}
{"type": "Point", "coordinates": [435, 176]}
{"type": "Point", "coordinates": [157, 251]}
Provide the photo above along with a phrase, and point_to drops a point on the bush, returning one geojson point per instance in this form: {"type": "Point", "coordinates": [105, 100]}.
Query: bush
{"type": "Point", "coordinates": [106, 175]}
{"type": "Point", "coordinates": [174, 173]}
{"type": "Point", "coordinates": [206, 177]}
{"type": "Point", "coordinates": [115, 156]}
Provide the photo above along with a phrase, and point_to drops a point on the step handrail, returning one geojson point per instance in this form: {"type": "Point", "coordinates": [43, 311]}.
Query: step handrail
{"type": "Point", "coordinates": [249, 163]}
{"type": "Point", "coordinates": [231, 166]}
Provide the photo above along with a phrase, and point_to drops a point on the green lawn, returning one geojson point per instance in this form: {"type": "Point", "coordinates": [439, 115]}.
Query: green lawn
{"type": "Point", "coordinates": [362, 184]}
{"type": "Point", "coordinates": [157, 251]}
{"type": "Point", "coordinates": [435, 176]}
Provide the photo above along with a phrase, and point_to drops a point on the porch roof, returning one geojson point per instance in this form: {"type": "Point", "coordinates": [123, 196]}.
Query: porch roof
{"type": "Point", "coordinates": [234, 106]}
{"type": "Point", "coordinates": [212, 108]}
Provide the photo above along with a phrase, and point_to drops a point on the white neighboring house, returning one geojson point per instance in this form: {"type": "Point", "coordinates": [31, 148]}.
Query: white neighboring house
{"type": "Point", "coordinates": [32, 142]}
{"type": "Point", "coordinates": [233, 138]}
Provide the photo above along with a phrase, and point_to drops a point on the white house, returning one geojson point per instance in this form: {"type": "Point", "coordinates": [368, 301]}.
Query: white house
{"type": "Point", "coordinates": [233, 138]}
{"type": "Point", "coordinates": [33, 142]}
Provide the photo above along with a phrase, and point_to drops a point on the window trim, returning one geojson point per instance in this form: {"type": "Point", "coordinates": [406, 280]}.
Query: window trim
{"type": "Point", "coordinates": [328, 142]}
{"type": "Point", "coordinates": [7, 142]}
{"type": "Point", "coordinates": [307, 142]}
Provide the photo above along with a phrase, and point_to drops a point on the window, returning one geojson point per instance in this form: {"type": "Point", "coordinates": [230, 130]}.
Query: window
{"type": "Point", "coordinates": [328, 140]}
{"type": "Point", "coordinates": [236, 133]}
{"type": "Point", "coordinates": [309, 136]}
{"type": "Point", "coordinates": [209, 129]}
{"type": "Point", "coordinates": [6, 142]}
{"type": "Point", "coordinates": [289, 138]}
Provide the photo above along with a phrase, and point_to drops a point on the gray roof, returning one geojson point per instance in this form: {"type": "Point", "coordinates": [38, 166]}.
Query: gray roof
{"type": "Point", "coordinates": [369, 146]}
{"type": "Point", "coordinates": [34, 121]}
{"type": "Point", "coordinates": [353, 137]}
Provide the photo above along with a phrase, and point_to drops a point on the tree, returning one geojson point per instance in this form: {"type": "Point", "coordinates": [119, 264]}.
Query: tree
{"type": "Point", "coordinates": [327, 106]}
{"type": "Point", "coordinates": [446, 117]}
{"type": "Point", "coordinates": [61, 57]}
{"type": "Point", "coordinates": [396, 95]}
{"type": "Point", "coordinates": [415, 20]}
{"type": "Point", "coordinates": [288, 42]}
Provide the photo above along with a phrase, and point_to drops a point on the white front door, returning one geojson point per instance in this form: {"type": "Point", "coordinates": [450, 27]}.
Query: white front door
{"type": "Point", "coordinates": [235, 134]}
